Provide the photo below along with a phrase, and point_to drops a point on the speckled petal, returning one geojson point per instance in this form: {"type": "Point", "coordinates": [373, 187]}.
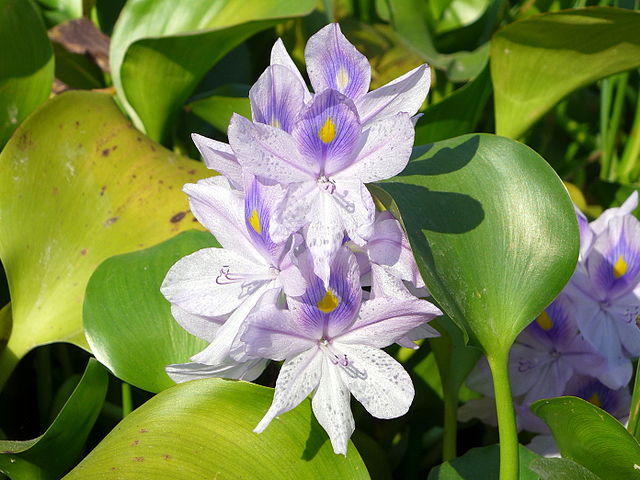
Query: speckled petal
{"type": "Point", "coordinates": [218, 156]}
{"type": "Point", "coordinates": [280, 56]}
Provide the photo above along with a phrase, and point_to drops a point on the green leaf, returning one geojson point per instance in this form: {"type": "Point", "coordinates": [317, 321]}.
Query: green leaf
{"type": "Point", "coordinates": [203, 429]}
{"type": "Point", "coordinates": [85, 185]}
{"type": "Point", "coordinates": [492, 229]}
{"type": "Point", "coordinates": [408, 20]}
{"type": "Point", "coordinates": [158, 58]}
{"type": "Point", "coordinates": [26, 69]}
{"type": "Point", "coordinates": [457, 114]}
{"type": "Point", "coordinates": [481, 463]}
{"type": "Point", "coordinates": [539, 60]}
{"type": "Point", "coordinates": [218, 109]}
{"type": "Point", "coordinates": [561, 469]}
{"type": "Point", "coordinates": [591, 437]}
{"type": "Point", "coordinates": [52, 454]}
{"type": "Point", "coordinates": [76, 70]}
{"type": "Point", "coordinates": [125, 312]}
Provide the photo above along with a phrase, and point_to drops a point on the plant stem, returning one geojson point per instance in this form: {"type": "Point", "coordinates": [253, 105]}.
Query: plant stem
{"type": "Point", "coordinates": [629, 167]}
{"type": "Point", "coordinates": [605, 107]}
{"type": "Point", "coordinates": [499, 364]}
{"type": "Point", "coordinates": [634, 412]}
{"type": "Point", "coordinates": [127, 404]}
{"type": "Point", "coordinates": [449, 436]}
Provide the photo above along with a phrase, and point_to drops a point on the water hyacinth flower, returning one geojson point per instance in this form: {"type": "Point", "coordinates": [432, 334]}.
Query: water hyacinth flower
{"type": "Point", "coordinates": [331, 343]}
{"type": "Point", "coordinates": [232, 280]}
{"type": "Point", "coordinates": [606, 289]}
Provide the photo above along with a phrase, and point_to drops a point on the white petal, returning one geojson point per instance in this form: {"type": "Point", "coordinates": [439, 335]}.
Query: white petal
{"type": "Point", "coordinates": [218, 156]}
{"type": "Point", "coordinates": [404, 94]}
{"type": "Point", "coordinates": [324, 235]}
{"type": "Point", "coordinates": [297, 379]}
{"type": "Point", "coordinates": [248, 371]}
{"type": "Point", "coordinates": [191, 282]}
{"type": "Point", "coordinates": [292, 212]}
{"type": "Point", "coordinates": [386, 151]}
{"type": "Point", "coordinates": [355, 206]}
{"type": "Point", "coordinates": [377, 381]}
{"type": "Point", "coordinates": [201, 326]}
{"type": "Point", "coordinates": [332, 408]}
{"type": "Point", "coordinates": [280, 56]}
{"type": "Point", "coordinates": [268, 152]}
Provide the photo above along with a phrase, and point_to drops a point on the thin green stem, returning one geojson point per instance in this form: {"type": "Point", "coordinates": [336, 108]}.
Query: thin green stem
{"type": "Point", "coordinates": [127, 404]}
{"type": "Point", "coordinates": [449, 436]}
{"type": "Point", "coordinates": [499, 364]}
{"type": "Point", "coordinates": [605, 107]}
{"type": "Point", "coordinates": [614, 122]}
{"type": "Point", "coordinates": [629, 166]}
{"type": "Point", "coordinates": [634, 411]}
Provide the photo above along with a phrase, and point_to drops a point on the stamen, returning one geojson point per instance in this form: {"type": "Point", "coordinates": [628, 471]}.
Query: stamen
{"type": "Point", "coordinates": [341, 360]}
{"type": "Point", "coordinates": [327, 184]}
{"type": "Point", "coordinates": [328, 131]}
{"type": "Point", "coordinates": [341, 198]}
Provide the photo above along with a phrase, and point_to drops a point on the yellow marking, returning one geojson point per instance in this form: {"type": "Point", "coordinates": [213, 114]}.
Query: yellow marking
{"type": "Point", "coordinates": [328, 303]}
{"type": "Point", "coordinates": [595, 400]}
{"type": "Point", "coordinates": [545, 322]}
{"type": "Point", "coordinates": [275, 122]}
{"type": "Point", "coordinates": [328, 131]}
{"type": "Point", "coordinates": [342, 79]}
{"type": "Point", "coordinates": [254, 221]}
{"type": "Point", "coordinates": [620, 268]}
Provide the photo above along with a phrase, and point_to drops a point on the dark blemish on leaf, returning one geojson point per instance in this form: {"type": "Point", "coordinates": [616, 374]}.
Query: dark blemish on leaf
{"type": "Point", "coordinates": [166, 456]}
{"type": "Point", "coordinates": [104, 187]}
{"type": "Point", "coordinates": [135, 442]}
{"type": "Point", "coordinates": [113, 469]}
{"type": "Point", "coordinates": [134, 176]}
{"type": "Point", "coordinates": [114, 148]}
{"type": "Point", "coordinates": [55, 191]}
{"type": "Point", "coordinates": [138, 459]}
{"type": "Point", "coordinates": [77, 122]}
{"type": "Point", "coordinates": [143, 430]}
{"type": "Point", "coordinates": [177, 217]}
{"type": "Point", "coordinates": [139, 139]}
{"type": "Point", "coordinates": [194, 219]}
{"type": "Point", "coordinates": [192, 171]}
{"type": "Point", "coordinates": [83, 251]}
{"type": "Point", "coordinates": [110, 221]}
{"type": "Point", "coordinates": [153, 149]}
{"type": "Point", "coordinates": [170, 187]}
{"type": "Point", "coordinates": [105, 152]}
{"type": "Point", "coordinates": [24, 141]}
{"type": "Point", "coordinates": [160, 182]}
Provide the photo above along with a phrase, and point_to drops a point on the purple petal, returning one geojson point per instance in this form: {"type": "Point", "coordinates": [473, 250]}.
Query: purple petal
{"type": "Point", "coordinates": [355, 208]}
{"type": "Point", "coordinates": [280, 56]}
{"type": "Point", "coordinates": [626, 208]}
{"type": "Point", "coordinates": [277, 98]}
{"type": "Point", "coordinates": [327, 132]}
{"type": "Point", "coordinates": [293, 211]}
{"type": "Point", "coordinates": [218, 156]}
{"type": "Point", "coordinates": [268, 152]}
{"type": "Point", "coordinates": [259, 205]}
{"type": "Point", "coordinates": [586, 234]}
{"type": "Point", "coordinates": [386, 150]}
{"type": "Point", "coordinates": [383, 321]}
{"type": "Point", "coordinates": [329, 311]}
{"type": "Point", "coordinates": [333, 62]}
{"type": "Point", "coordinates": [404, 94]}
{"type": "Point", "coordinates": [616, 402]}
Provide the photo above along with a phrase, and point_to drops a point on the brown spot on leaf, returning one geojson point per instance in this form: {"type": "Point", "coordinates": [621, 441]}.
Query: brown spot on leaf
{"type": "Point", "coordinates": [143, 430]}
{"type": "Point", "coordinates": [24, 141]}
{"type": "Point", "coordinates": [77, 122]}
{"type": "Point", "coordinates": [110, 221]}
{"type": "Point", "coordinates": [192, 171]}
{"type": "Point", "coordinates": [135, 442]}
{"type": "Point", "coordinates": [83, 252]}
{"type": "Point", "coordinates": [177, 217]}
{"type": "Point", "coordinates": [139, 139]}
{"type": "Point", "coordinates": [105, 152]}
{"type": "Point", "coordinates": [55, 191]}
{"type": "Point", "coordinates": [82, 37]}
{"type": "Point", "coordinates": [104, 187]}
{"type": "Point", "coordinates": [138, 459]}
{"type": "Point", "coordinates": [166, 456]}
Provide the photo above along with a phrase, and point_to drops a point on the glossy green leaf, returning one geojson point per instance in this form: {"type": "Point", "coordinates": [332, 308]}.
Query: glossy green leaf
{"type": "Point", "coordinates": [125, 312]}
{"type": "Point", "coordinates": [561, 469]}
{"type": "Point", "coordinates": [158, 58]}
{"type": "Point", "coordinates": [76, 70]}
{"type": "Point", "coordinates": [83, 185]}
{"type": "Point", "coordinates": [203, 429]}
{"type": "Point", "coordinates": [26, 69]}
{"type": "Point", "coordinates": [58, 11]}
{"type": "Point", "coordinates": [217, 109]}
{"type": "Point", "coordinates": [481, 463]}
{"type": "Point", "coordinates": [539, 60]}
{"type": "Point", "coordinates": [591, 437]}
{"type": "Point", "coordinates": [410, 24]}
{"type": "Point", "coordinates": [457, 114]}
{"type": "Point", "coordinates": [492, 229]}
{"type": "Point", "coordinates": [54, 453]}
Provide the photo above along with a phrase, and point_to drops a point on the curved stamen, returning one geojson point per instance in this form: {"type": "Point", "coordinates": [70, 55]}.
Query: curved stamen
{"type": "Point", "coordinates": [341, 360]}
{"type": "Point", "coordinates": [227, 277]}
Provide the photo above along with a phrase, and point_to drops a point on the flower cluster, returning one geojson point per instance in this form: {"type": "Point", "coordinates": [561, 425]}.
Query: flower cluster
{"type": "Point", "coordinates": [584, 342]}
{"type": "Point", "coordinates": [309, 273]}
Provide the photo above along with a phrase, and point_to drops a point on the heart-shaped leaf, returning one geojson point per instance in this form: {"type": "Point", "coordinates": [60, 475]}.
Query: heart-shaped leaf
{"type": "Point", "coordinates": [158, 58]}
{"type": "Point", "coordinates": [26, 69]}
{"type": "Point", "coordinates": [561, 469]}
{"type": "Point", "coordinates": [591, 437]}
{"type": "Point", "coordinates": [203, 429]}
{"type": "Point", "coordinates": [83, 185]}
{"type": "Point", "coordinates": [493, 231]}
{"type": "Point", "coordinates": [125, 312]}
{"type": "Point", "coordinates": [537, 61]}
{"type": "Point", "coordinates": [56, 451]}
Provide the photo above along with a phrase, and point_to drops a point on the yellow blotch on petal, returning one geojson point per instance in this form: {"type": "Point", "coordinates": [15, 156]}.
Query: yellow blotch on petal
{"type": "Point", "coordinates": [254, 221]}
{"type": "Point", "coordinates": [545, 322]}
{"type": "Point", "coordinates": [275, 122]}
{"type": "Point", "coordinates": [595, 400]}
{"type": "Point", "coordinates": [328, 131]}
{"type": "Point", "coordinates": [620, 268]}
{"type": "Point", "coordinates": [328, 303]}
{"type": "Point", "coordinates": [342, 79]}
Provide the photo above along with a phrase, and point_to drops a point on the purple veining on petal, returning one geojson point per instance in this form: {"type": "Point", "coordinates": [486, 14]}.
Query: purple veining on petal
{"type": "Point", "coordinates": [327, 131]}
{"type": "Point", "coordinates": [333, 62]}
{"type": "Point", "coordinates": [277, 98]}
{"type": "Point", "coordinates": [616, 402]}
{"type": "Point", "coordinates": [257, 212]}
